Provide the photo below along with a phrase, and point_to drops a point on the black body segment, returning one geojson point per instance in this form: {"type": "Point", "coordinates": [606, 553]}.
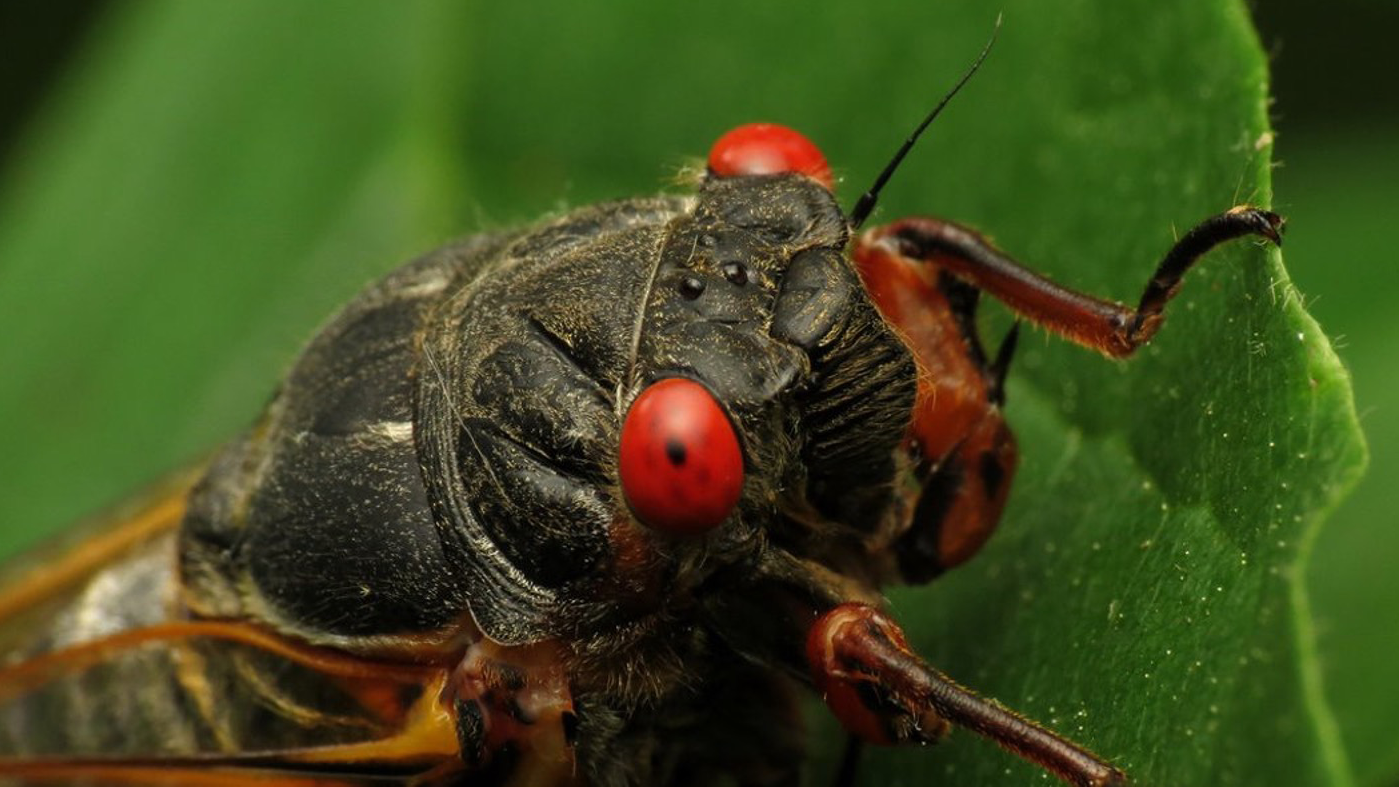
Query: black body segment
{"type": "Point", "coordinates": [317, 519]}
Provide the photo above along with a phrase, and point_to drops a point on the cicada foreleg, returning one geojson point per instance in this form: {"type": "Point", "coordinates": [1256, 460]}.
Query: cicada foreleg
{"type": "Point", "coordinates": [883, 693]}
{"type": "Point", "coordinates": [1112, 328]}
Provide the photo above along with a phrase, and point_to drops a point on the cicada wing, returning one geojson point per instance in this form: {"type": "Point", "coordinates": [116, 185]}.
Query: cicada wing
{"type": "Point", "coordinates": [41, 582]}
{"type": "Point", "coordinates": [167, 774]}
{"type": "Point", "coordinates": [105, 679]}
{"type": "Point", "coordinates": [225, 696]}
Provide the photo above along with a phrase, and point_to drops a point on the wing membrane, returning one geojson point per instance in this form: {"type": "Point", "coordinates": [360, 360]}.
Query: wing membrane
{"type": "Point", "coordinates": [106, 680]}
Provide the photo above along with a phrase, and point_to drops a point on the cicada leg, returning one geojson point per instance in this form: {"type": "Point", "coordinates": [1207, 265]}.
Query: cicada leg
{"type": "Point", "coordinates": [1111, 328]}
{"type": "Point", "coordinates": [883, 693]}
{"type": "Point", "coordinates": [963, 456]}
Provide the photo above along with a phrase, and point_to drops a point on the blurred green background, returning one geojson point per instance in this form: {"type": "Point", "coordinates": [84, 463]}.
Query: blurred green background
{"type": "Point", "coordinates": [1336, 114]}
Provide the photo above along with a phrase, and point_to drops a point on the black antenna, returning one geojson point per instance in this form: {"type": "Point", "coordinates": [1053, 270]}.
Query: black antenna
{"type": "Point", "coordinates": [865, 205]}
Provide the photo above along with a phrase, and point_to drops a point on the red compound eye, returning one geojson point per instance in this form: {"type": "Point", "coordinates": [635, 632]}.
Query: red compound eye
{"type": "Point", "coordinates": [767, 149]}
{"type": "Point", "coordinates": [682, 470]}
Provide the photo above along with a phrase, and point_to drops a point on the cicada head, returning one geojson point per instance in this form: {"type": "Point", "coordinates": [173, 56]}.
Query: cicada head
{"type": "Point", "coordinates": [757, 307]}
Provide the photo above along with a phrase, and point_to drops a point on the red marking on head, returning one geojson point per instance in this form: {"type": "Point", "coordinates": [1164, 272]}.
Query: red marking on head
{"type": "Point", "coordinates": [680, 462]}
{"type": "Point", "coordinates": [768, 149]}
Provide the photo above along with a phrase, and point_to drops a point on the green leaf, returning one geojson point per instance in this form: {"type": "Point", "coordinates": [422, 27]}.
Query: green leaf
{"type": "Point", "coordinates": [215, 177]}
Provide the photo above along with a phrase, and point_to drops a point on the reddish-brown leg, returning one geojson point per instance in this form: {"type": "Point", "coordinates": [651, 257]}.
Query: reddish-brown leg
{"type": "Point", "coordinates": [962, 456]}
{"type": "Point", "coordinates": [883, 693]}
{"type": "Point", "coordinates": [1112, 328]}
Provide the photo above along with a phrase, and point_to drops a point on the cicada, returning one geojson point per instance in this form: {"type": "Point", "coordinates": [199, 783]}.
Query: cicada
{"type": "Point", "coordinates": [588, 502]}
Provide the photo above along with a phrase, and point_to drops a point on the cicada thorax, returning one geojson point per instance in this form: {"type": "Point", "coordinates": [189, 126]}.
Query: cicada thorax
{"type": "Point", "coordinates": [316, 522]}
